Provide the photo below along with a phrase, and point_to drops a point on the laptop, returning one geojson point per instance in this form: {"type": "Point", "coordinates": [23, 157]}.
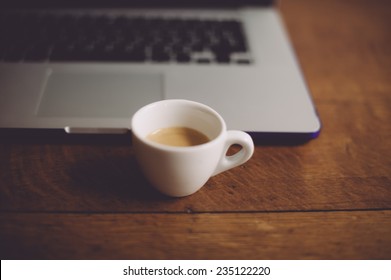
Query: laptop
{"type": "Point", "coordinates": [86, 66]}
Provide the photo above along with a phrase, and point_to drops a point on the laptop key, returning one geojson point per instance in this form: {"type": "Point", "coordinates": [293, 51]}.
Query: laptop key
{"type": "Point", "coordinates": [182, 57]}
{"type": "Point", "coordinates": [134, 55]}
{"type": "Point", "coordinates": [223, 58]}
{"type": "Point", "coordinates": [203, 60]}
{"type": "Point", "coordinates": [159, 55]}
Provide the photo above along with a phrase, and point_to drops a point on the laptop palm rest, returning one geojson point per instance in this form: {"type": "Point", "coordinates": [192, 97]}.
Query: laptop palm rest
{"type": "Point", "coordinates": [98, 94]}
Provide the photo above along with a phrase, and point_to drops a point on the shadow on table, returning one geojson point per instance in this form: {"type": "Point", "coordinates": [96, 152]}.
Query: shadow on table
{"type": "Point", "coordinates": [58, 136]}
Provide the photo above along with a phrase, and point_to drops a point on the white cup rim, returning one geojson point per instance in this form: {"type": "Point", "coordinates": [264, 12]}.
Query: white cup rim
{"type": "Point", "coordinates": [178, 148]}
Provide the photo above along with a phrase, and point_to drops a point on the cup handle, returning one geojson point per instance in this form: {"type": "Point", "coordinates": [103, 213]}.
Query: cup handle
{"type": "Point", "coordinates": [240, 138]}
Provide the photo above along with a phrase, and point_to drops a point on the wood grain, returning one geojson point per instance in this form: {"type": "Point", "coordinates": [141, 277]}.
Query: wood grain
{"type": "Point", "coordinates": [333, 235]}
{"type": "Point", "coordinates": [329, 198]}
{"type": "Point", "coordinates": [107, 179]}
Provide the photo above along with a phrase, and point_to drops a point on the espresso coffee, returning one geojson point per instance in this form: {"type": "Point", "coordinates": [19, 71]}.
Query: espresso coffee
{"type": "Point", "coordinates": [178, 136]}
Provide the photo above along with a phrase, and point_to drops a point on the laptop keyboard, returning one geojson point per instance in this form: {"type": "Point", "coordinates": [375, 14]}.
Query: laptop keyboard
{"type": "Point", "coordinates": [62, 38]}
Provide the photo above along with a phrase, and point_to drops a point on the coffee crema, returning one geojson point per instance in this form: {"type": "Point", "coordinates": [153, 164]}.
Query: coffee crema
{"type": "Point", "coordinates": [178, 136]}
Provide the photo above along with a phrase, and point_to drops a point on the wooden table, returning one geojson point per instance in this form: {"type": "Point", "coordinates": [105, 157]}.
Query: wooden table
{"type": "Point", "coordinates": [327, 199]}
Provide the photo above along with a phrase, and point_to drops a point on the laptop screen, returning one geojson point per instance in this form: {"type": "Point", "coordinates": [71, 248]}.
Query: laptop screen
{"type": "Point", "coordinates": [130, 3]}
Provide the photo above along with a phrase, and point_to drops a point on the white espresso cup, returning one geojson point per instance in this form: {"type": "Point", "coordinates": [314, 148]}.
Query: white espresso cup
{"type": "Point", "coordinates": [180, 171]}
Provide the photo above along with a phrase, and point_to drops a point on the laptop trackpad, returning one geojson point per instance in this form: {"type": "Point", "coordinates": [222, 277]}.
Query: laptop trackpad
{"type": "Point", "coordinates": [87, 94]}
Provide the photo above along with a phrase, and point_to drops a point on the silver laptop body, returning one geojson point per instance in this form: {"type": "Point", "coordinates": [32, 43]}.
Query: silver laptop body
{"type": "Point", "coordinates": [261, 90]}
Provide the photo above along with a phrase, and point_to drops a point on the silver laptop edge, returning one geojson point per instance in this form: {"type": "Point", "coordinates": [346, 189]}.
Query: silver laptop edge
{"type": "Point", "coordinates": [269, 95]}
